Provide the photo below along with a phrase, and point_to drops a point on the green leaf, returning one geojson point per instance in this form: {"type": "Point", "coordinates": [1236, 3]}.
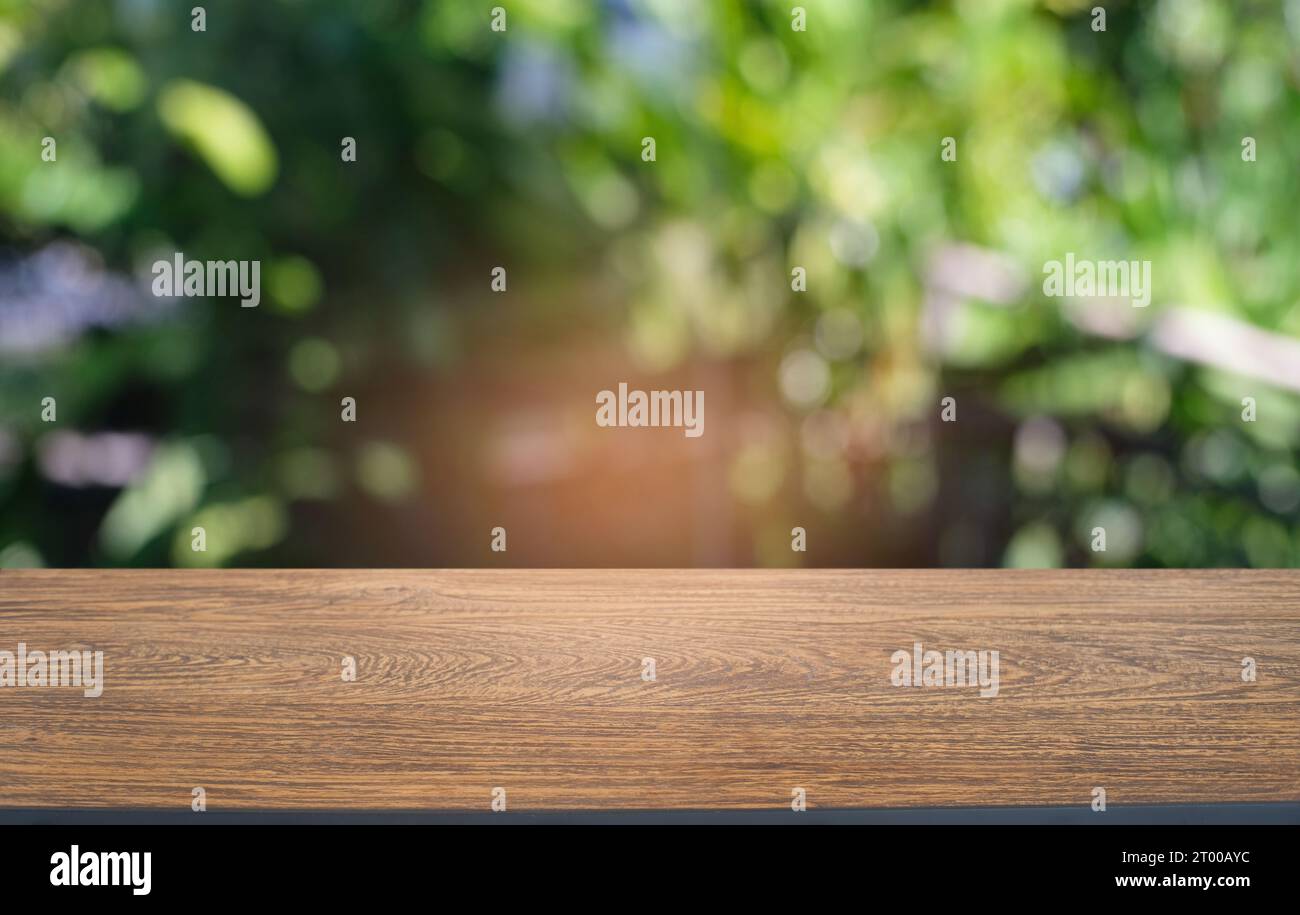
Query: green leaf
{"type": "Point", "coordinates": [224, 132]}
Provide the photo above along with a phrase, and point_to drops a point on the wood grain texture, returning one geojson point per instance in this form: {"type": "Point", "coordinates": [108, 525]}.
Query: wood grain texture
{"type": "Point", "coordinates": [766, 680]}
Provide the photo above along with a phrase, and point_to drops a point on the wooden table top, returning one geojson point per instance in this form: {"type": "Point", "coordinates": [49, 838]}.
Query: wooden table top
{"type": "Point", "coordinates": [764, 681]}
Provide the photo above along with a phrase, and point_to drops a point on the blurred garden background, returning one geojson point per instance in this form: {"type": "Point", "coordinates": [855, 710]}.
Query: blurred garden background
{"type": "Point", "coordinates": [775, 149]}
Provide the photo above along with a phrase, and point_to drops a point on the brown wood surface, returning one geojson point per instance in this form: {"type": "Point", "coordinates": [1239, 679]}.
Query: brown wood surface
{"type": "Point", "coordinates": [766, 680]}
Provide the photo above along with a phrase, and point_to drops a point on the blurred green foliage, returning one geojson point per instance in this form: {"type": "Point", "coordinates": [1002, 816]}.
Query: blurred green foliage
{"type": "Point", "coordinates": [776, 148]}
